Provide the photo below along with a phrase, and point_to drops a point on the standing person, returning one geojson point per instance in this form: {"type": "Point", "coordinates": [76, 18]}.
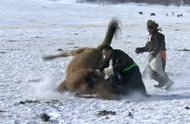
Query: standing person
{"type": "Point", "coordinates": [157, 55]}
{"type": "Point", "coordinates": [124, 73]}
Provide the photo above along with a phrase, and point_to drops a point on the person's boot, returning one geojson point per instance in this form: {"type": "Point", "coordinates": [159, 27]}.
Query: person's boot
{"type": "Point", "coordinates": [160, 85]}
{"type": "Point", "coordinates": [169, 84]}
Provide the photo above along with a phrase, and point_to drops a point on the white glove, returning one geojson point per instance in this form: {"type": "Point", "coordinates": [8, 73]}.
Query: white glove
{"type": "Point", "coordinates": [109, 71]}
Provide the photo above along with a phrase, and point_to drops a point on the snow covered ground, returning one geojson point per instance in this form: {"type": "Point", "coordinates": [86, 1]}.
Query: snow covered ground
{"type": "Point", "coordinates": [30, 29]}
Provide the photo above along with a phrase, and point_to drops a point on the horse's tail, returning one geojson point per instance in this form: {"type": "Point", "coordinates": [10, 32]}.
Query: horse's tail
{"type": "Point", "coordinates": [112, 30]}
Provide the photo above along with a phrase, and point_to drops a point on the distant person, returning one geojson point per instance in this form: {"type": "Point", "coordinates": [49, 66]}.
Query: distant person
{"type": "Point", "coordinates": [124, 73]}
{"type": "Point", "coordinates": [157, 55]}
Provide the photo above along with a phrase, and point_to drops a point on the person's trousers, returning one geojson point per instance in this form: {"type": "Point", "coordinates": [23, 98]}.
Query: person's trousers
{"type": "Point", "coordinates": [130, 82]}
{"type": "Point", "coordinates": [158, 75]}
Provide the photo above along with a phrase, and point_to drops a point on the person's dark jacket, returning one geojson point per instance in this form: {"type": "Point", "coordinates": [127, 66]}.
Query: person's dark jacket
{"type": "Point", "coordinates": [131, 79]}
{"type": "Point", "coordinates": [120, 61]}
{"type": "Point", "coordinates": [155, 45]}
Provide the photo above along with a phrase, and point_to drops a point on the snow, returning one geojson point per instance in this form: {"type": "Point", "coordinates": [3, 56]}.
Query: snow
{"type": "Point", "coordinates": [30, 29]}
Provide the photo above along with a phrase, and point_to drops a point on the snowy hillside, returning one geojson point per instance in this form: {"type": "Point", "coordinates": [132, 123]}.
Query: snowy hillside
{"type": "Point", "coordinates": [30, 29]}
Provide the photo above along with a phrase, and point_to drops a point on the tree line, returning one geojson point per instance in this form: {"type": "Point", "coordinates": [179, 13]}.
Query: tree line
{"type": "Point", "coordinates": [163, 2]}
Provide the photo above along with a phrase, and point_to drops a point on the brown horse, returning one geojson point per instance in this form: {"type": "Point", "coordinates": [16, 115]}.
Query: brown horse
{"type": "Point", "coordinates": [81, 74]}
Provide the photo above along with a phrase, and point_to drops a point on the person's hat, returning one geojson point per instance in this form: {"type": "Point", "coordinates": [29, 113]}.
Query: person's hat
{"type": "Point", "coordinates": [152, 24]}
